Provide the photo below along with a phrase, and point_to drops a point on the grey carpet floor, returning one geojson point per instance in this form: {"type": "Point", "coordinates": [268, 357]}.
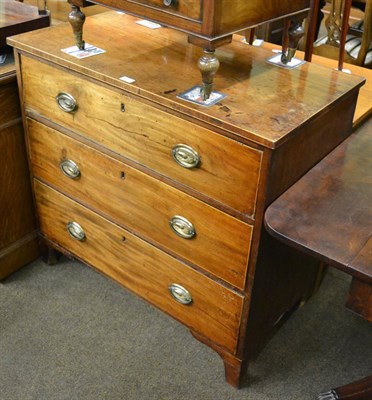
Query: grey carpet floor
{"type": "Point", "coordinates": [67, 333]}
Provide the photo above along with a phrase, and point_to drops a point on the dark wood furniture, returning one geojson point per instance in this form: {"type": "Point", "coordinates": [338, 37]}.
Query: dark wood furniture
{"type": "Point", "coordinates": [209, 24]}
{"type": "Point", "coordinates": [16, 17]}
{"type": "Point", "coordinates": [165, 196]}
{"type": "Point", "coordinates": [359, 390]}
{"type": "Point", "coordinates": [18, 235]}
{"type": "Point", "coordinates": [328, 214]}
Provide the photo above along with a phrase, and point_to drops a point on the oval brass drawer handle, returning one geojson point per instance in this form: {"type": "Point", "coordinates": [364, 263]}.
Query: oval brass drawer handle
{"type": "Point", "coordinates": [185, 156]}
{"type": "Point", "coordinates": [70, 169]}
{"type": "Point", "coordinates": [182, 227]}
{"type": "Point", "coordinates": [66, 102]}
{"type": "Point", "coordinates": [180, 294]}
{"type": "Point", "coordinates": [76, 231]}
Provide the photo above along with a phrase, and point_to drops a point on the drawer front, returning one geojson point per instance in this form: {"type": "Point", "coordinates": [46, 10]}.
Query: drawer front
{"type": "Point", "coordinates": [221, 243]}
{"type": "Point", "coordinates": [227, 170]}
{"type": "Point", "coordinates": [214, 311]}
{"type": "Point", "coordinates": [185, 8]}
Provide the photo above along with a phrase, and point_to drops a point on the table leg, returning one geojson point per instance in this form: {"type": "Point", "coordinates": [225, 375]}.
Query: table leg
{"type": "Point", "coordinates": [360, 298]}
{"type": "Point", "coordinates": [77, 19]}
{"type": "Point", "coordinates": [208, 65]}
{"type": "Point", "coordinates": [359, 390]}
{"type": "Point", "coordinates": [291, 37]}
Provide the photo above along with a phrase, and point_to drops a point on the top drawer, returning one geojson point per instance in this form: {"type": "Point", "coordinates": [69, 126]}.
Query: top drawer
{"type": "Point", "coordinates": [224, 170]}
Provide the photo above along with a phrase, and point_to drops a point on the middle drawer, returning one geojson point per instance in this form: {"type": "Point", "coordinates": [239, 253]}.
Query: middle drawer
{"type": "Point", "coordinates": [185, 226]}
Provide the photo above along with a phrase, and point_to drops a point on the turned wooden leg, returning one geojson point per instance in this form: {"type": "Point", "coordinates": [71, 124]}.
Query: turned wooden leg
{"type": "Point", "coordinates": [208, 65]}
{"type": "Point", "coordinates": [77, 19]}
{"type": "Point", "coordinates": [359, 390]}
{"type": "Point", "coordinates": [291, 37]}
{"type": "Point", "coordinates": [314, 20]}
{"type": "Point", "coordinates": [234, 367]}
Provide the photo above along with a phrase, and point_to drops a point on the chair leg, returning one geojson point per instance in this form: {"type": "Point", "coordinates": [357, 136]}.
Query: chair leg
{"type": "Point", "coordinates": [367, 36]}
{"type": "Point", "coordinates": [293, 32]}
{"type": "Point", "coordinates": [344, 30]}
{"type": "Point", "coordinates": [313, 28]}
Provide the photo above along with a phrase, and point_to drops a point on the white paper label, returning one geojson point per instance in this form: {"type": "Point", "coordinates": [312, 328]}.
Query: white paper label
{"type": "Point", "coordinates": [88, 51]}
{"type": "Point", "coordinates": [194, 96]}
{"type": "Point", "coordinates": [127, 79]}
{"type": "Point", "coordinates": [148, 24]}
{"type": "Point", "coordinates": [295, 62]}
{"type": "Point", "coordinates": [256, 42]}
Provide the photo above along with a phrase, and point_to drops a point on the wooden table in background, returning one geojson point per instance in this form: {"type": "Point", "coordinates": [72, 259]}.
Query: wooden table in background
{"type": "Point", "coordinates": [328, 214]}
{"type": "Point", "coordinates": [16, 17]}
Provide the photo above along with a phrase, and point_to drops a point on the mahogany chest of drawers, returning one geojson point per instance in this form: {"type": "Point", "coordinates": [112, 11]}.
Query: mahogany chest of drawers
{"type": "Point", "coordinates": [167, 197]}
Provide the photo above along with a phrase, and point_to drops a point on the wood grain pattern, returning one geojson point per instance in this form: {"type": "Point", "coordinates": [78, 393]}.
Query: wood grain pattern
{"type": "Point", "coordinates": [19, 253]}
{"type": "Point", "coordinates": [187, 8]}
{"type": "Point", "coordinates": [228, 172]}
{"type": "Point", "coordinates": [362, 260]}
{"type": "Point", "coordinates": [359, 390]}
{"type": "Point", "coordinates": [237, 15]}
{"type": "Point", "coordinates": [364, 106]}
{"type": "Point", "coordinates": [328, 212]}
{"type": "Point", "coordinates": [214, 18]}
{"type": "Point", "coordinates": [288, 163]}
{"type": "Point", "coordinates": [18, 243]}
{"type": "Point", "coordinates": [279, 119]}
{"type": "Point", "coordinates": [9, 102]}
{"type": "Point", "coordinates": [169, 17]}
{"type": "Point", "coordinates": [264, 103]}
{"type": "Point", "coordinates": [59, 10]}
{"type": "Point", "coordinates": [360, 298]}
{"type": "Point", "coordinates": [129, 261]}
{"type": "Point", "coordinates": [16, 214]}
{"type": "Point", "coordinates": [143, 204]}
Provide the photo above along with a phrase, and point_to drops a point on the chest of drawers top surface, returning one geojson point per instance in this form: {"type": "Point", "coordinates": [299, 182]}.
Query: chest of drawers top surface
{"type": "Point", "coordinates": [264, 104]}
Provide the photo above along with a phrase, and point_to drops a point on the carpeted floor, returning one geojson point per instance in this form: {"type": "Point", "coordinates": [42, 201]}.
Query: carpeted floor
{"type": "Point", "coordinates": [67, 333]}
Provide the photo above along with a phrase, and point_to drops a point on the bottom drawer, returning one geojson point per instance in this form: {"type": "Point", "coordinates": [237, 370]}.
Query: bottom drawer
{"type": "Point", "coordinates": [214, 311]}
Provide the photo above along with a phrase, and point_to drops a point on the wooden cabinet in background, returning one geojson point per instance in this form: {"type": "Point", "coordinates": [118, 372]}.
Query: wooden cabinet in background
{"type": "Point", "coordinates": [165, 196]}
{"type": "Point", "coordinates": [18, 237]}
